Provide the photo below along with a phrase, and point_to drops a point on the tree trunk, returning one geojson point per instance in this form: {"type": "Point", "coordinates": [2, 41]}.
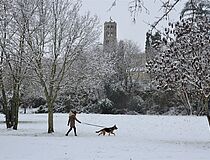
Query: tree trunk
{"type": "Point", "coordinates": [206, 107]}
{"type": "Point", "coordinates": [4, 102]}
{"type": "Point", "coordinates": [208, 117]}
{"type": "Point", "coordinates": [15, 106]}
{"type": "Point", "coordinates": [24, 110]}
{"type": "Point", "coordinates": [15, 117]}
{"type": "Point", "coordinates": [50, 117]}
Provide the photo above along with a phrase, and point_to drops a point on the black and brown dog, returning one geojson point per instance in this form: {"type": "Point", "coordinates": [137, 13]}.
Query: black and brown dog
{"type": "Point", "coordinates": [109, 130]}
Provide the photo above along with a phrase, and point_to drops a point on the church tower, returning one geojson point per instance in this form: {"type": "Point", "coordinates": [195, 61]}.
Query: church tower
{"type": "Point", "coordinates": [110, 36]}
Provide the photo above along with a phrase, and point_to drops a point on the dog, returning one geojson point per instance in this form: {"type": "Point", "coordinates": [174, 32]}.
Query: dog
{"type": "Point", "coordinates": [109, 130]}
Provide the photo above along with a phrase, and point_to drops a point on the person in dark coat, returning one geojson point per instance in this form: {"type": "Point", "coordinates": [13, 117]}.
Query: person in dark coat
{"type": "Point", "coordinates": [71, 122]}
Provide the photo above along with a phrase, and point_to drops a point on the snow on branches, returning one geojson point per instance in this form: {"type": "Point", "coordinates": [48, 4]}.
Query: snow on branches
{"type": "Point", "coordinates": [182, 61]}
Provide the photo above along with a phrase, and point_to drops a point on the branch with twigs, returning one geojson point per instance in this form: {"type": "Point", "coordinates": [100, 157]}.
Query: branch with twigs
{"type": "Point", "coordinates": [136, 6]}
{"type": "Point", "coordinates": [168, 8]}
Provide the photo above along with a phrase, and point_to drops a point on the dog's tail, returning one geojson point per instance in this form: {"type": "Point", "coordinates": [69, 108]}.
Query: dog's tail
{"type": "Point", "coordinates": [98, 131]}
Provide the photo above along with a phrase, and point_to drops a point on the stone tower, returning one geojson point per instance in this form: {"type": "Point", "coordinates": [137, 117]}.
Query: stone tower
{"type": "Point", "coordinates": [110, 36]}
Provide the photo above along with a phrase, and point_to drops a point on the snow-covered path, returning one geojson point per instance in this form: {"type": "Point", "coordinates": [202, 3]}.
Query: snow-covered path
{"type": "Point", "coordinates": [138, 138]}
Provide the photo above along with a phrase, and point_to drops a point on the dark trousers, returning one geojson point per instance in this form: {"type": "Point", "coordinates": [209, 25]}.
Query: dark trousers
{"type": "Point", "coordinates": [75, 131]}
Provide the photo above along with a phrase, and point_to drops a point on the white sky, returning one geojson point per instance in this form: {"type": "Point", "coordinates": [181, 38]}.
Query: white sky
{"type": "Point", "coordinates": [126, 28]}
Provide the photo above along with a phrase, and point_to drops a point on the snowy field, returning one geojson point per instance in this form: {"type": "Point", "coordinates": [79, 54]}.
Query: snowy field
{"type": "Point", "coordinates": [138, 138]}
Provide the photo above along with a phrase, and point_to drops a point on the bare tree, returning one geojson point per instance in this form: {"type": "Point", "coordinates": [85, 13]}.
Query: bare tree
{"type": "Point", "coordinates": [15, 15]}
{"type": "Point", "coordinates": [56, 41]}
{"type": "Point", "coordinates": [5, 18]}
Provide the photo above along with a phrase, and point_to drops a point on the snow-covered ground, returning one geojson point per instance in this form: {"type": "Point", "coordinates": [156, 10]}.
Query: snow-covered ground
{"type": "Point", "coordinates": [138, 138]}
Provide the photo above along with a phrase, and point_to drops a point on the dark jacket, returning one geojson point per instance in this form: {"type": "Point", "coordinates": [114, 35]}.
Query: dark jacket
{"type": "Point", "coordinates": [72, 119]}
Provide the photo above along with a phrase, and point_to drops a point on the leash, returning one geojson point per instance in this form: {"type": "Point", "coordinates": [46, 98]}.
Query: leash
{"type": "Point", "coordinates": [92, 124]}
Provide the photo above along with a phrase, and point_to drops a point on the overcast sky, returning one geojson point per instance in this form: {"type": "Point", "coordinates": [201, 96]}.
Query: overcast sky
{"type": "Point", "coordinates": [126, 28]}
